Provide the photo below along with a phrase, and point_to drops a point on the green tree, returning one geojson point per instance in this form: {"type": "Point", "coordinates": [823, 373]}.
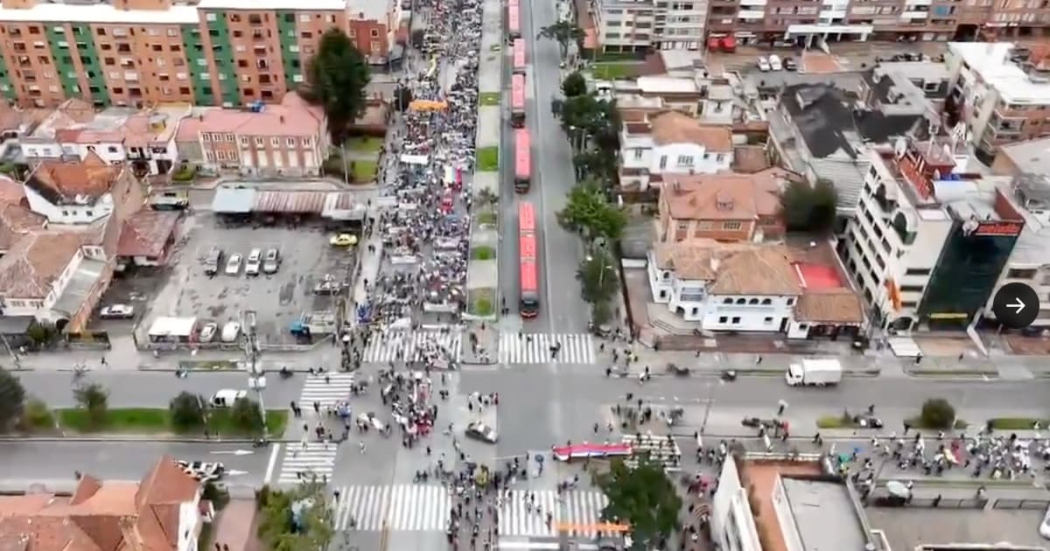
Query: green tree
{"type": "Point", "coordinates": [337, 76]}
{"type": "Point", "coordinates": [186, 411]}
{"type": "Point", "coordinates": [93, 399]}
{"type": "Point", "coordinates": [574, 85]}
{"type": "Point", "coordinates": [601, 312]}
{"type": "Point", "coordinates": [595, 164]}
{"type": "Point", "coordinates": [245, 416]}
{"type": "Point", "coordinates": [565, 33]}
{"type": "Point", "coordinates": [598, 278]}
{"type": "Point", "coordinates": [402, 98]}
{"type": "Point", "coordinates": [588, 210]}
{"type": "Point", "coordinates": [937, 413]}
{"type": "Point", "coordinates": [12, 400]}
{"type": "Point", "coordinates": [809, 208]}
{"type": "Point", "coordinates": [299, 519]}
{"type": "Point", "coordinates": [643, 498]}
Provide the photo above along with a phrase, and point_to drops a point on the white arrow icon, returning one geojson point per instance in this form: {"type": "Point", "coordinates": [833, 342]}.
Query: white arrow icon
{"type": "Point", "coordinates": [1018, 306]}
{"type": "Point", "coordinates": [234, 452]}
{"type": "Point", "coordinates": [235, 473]}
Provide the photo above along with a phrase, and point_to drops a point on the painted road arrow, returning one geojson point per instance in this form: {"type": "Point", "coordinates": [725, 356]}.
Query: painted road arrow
{"type": "Point", "coordinates": [234, 452]}
{"type": "Point", "coordinates": [235, 473]}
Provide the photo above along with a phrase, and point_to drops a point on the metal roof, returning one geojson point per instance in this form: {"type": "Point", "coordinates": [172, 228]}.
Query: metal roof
{"type": "Point", "coordinates": [299, 202]}
{"type": "Point", "coordinates": [230, 200]}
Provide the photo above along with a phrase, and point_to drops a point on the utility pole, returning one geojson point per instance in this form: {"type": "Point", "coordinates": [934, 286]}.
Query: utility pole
{"type": "Point", "coordinates": [707, 406]}
{"type": "Point", "coordinates": [14, 357]}
{"type": "Point", "coordinates": [256, 377]}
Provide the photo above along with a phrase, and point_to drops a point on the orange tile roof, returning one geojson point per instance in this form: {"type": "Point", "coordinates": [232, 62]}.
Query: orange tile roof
{"type": "Point", "coordinates": [64, 183]}
{"type": "Point", "coordinates": [146, 232]}
{"type": "Point", "coordinates": [293, 117]}
{"type": "Point", "coordinates": [675, 127]}
{"type": "Point", "coordinates": [35, 261]}
{"type": "Point", "coordinates": [722, 196]}
{"type": "Point", "coordinates": [742, 268]}
{"type": "Point", "coordinates": [829, 306]}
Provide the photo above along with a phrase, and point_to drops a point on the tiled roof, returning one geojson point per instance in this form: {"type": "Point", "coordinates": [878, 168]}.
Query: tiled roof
{"type": "Point", "coordinates": [293, 117]}
{"type": "Point", "coordinates": [16, 222]}
{"type": "Point", "coordinates": [732, 268]}
{"type": "Point", "coordinates": [65, 183]}
{"type": "Point", "coordinates": [146, 232]}
{"type": "Point", "coordinates": [829, 306]}
{"type": "Point", "coordinates": [675, 127]}
{"type": "Point", "coordinates": [34, 262]}
{"type": "Point", "coordinates": [722, 196]}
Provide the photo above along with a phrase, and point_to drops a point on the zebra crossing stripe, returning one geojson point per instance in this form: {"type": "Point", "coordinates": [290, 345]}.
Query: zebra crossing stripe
{"type": "Point", "coordinates": [403, 507]}
{"type": "Point", "coordinates": [336, 390]}
{"type": "Point", "coordinates": [580, 508]}
{"type": "Point", "coordinates": [411, 345]}
{"type": "Point", "coordinates": [313, 459]}
{"type": "Point", "coordinates": [535, 348]}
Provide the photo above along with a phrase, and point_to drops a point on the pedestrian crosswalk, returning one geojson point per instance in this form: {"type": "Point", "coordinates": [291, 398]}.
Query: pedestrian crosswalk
{"type": "Point", "coordinates": [414, 345]}
{"type": "Point", "coordinates": [536, 348]}
{"type": "Point", "coordinates": [328, 389]}
{"type": "Point", "coordinates": [302, 462]}
{"type": "Point", "coordinates": [425, 507]}
{"type": "Point", "coordinates": [576, 511]}
{"type": "Point", "coordinates": [658, 448]}
{"type": "Point", "coordinates": [403, 507]}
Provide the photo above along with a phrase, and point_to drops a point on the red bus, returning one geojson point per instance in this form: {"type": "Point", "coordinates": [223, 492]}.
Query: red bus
{"type": "Point", "coordinates": [517, 100]}
{"type": "Point", "coordinates": [522, 160]}
{"type": "Point", "coordinates": [514, 21]}
{"type": "Point", "coordinates": [518, 50]}
{"type": "Point", "coordinates": [530, 295]}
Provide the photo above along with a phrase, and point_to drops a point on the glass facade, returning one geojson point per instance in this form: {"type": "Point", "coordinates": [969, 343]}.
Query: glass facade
{"type": "Point", "coordinates": [964, 278]}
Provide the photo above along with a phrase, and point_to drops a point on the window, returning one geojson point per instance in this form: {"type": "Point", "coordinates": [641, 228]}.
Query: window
{"type": "Point", "coordinates": [911, 288]}
{"type": "Point", "coordinates": [304, 18]}
{"type": "Point", "coordinates": [727, 301]}
{"type": "Point", "coordinates": [258, 141]}
{"type": "Point", "coordinates": [111, 149]}
{"type": "Point", "coordinates": [305, 142]}
{"type": "Point", "coordinates": [229, 137]}
{"type": "Point", "coordinates": [685, 160]}
{"type": "Point", "coordinates": [917, 272]}
{"type": "Point", "coordinates": [637, 154]}
{"type": "Point", "coordinates": [791, 302]}
{"type": "Point", "coordinates": [766, 302]}
{"type": "Point", "coordinates": [736, 320]}
{"type": "Point", "coordinates": [768, 321]}
{"type": "Point", "coordinates": [731, 225]}
{"type": "Point", "coordinates": [375, 33]}
{"type": "Point", "coordinates": [723, 319]}
{"type": "Point", "coordinates": [205, 137]}
{"type": "Point", "coordinates": [290, 142]}
{"type": "Point", "coordinates": [741, 301]}
{"type": "Point", "coordinates": [275, 141]}
{"type": "Point", "coordinates": [244, 141]}
{"type": "Point", "coordinates": [663, 162]}
{"type": "Point", "coordinates": [210, 17]}
{"type": "Point", "coordinates": [1021, 274]}
{"type": "Point", "coordinates": [753, 301]}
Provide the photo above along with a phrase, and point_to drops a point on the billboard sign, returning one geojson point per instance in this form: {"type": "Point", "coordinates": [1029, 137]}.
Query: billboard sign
{"type": "Point", "coordinates": [1006, 229]}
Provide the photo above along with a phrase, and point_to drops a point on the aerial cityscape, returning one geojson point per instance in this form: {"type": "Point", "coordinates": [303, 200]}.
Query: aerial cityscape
{"type": "Point", "coordinates": [422, 275]}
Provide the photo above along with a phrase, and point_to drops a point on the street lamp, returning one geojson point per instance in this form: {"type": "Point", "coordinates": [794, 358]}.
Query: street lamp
{"type": "Point", "coordinates": [710, 400]}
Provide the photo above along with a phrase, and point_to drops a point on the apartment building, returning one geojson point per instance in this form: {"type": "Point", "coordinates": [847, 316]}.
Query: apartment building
{"type": "Point", "coordinates": [638, 26]}
{"type": "Point", "coordinates": [927, 247]}
{"type": "Point", "coordinates": [999, 100]}
{"type": "Point", "coordinates": [143, 52]}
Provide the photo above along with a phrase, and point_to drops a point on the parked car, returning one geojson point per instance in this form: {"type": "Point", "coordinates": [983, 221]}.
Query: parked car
{"type": "Point", "coordinates": [482, 432]}
{"type": "Point", "coordinates": [202, 470]}
{"type": "Point", "coordinates": [789, 64]}
{"type": "Point", "coordinates": [117, 312]}
{"type": "Point", "coordinates": [774, 63]}
{"type": "Point", "coordinates": [343, 240]}
{"type": "Point", "coordinates": [213, 261]}
{"type": "Point", "coordinates": [272, 261]}
{"type": "Point", "coordinates": [254, 263]}
{"type": "Point", "coordinates": [208, 332]}
{"type": "Point", "coordinates": [231, 331]}
{"type": "Point", "coordinates": [233, 265]}
{"type": "Point", "coordinates": [763, 64]}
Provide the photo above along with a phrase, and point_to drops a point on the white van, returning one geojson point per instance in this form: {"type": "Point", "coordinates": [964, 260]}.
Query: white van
{"type": "Point", "coordinates": [226, 397]}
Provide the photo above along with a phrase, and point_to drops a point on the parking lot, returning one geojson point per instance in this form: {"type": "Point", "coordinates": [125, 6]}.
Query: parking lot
{"type": "Point", "coordinates": [182, 289]}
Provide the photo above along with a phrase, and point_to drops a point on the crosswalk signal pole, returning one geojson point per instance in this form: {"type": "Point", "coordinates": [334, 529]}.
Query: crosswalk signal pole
{"type": "Point", "coordinates": [256, 378]}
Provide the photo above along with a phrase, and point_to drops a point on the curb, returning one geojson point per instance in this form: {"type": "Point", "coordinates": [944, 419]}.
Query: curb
{"type": "Point", "coordinates": [960, 482]}
{"type": "Point", "coordinates": [142, 439]}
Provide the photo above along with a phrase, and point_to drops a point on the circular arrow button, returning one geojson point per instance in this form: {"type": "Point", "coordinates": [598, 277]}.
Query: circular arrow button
{"type": "Point", "coordinates": [1016, 305]}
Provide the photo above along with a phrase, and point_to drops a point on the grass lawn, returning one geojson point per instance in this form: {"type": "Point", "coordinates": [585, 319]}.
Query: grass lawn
{"type": "Point", "coordinates": [1016, 423]}
{"type": "Point", "coordinates": [835, 422]}
{"type": "Point", "coordinates": [613, 71]}
{"type": "Point", "coordinates": [364, 171]}
{"type": "Point", "coordinates": [616, 56]}
{"type": "Point", "coordinates": [214, 365]}
{"type": "Point", "coordinates": [488, 159]}
{"type": "Point", "coordinates": [487, 218]}
{"type": "Point", "coordinates": [364, 144]}
{"type": "Point", "coordinates": [156, 421]}
{"type": "Point", "coordinates": [481, 302]}
{"type": "Point", "coordinates": [916, 423]}
{"type": "Point", "coordinates": [482, 253]}
{"type": "Point", "coordinates": [490, 99]}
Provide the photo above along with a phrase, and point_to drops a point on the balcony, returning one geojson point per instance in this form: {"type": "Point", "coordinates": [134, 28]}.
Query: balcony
{"type": "Point", "coordinates": [752, 15]}
{"type": "Point", "coordinates": [828, 15]}
{"type": "Point", "coordinates": [912, 15]}
{"type": "Point", "coordinates": [753, 2]}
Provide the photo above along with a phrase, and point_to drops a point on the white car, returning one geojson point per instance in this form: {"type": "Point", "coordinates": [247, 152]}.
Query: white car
{"type": "Point", "coordinates": [272, 261]}
{"type": "Point", "coordinates": [763, 64]}
{"type": "Point", "coordinates": [117, 312]}
{"type": "Point", "coordinates": [775, 64]}
{"type": "Point", "coordinates": [208, 332]}
{"type": "Point", "coordinates": [202, 470]}
{"type": "Point", "coordinates": [233, 265]}
{"type": "Point", "coordinates": [231, 331]}
{"type": "Point", "coordinates": [254, 263]}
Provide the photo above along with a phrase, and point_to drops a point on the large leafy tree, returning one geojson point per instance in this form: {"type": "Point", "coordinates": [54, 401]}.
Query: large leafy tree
{"type": "Point", "coordinates": [12, 399]}
{"type": "Point", "coordinates": [337, 77]}
{"type": "Point", "coordinates": [598, 278]}
{"type": "Point", "coordinates": [588, 210]}
{"type": "Point", "coordinates": [246, 416]}
{"type": "Point", "coordinates": [186, 411]}
{"type": "Point", "coordinates": [809, 208]}
{"type": "Point", "coordinates": [565, 33]}
{"type": "Point", "coordinates": [574, 85]}
{"type": "Point", "coordinates": [93, 398]}
{"type": "Point", "coordinates": [643, 498]}
{"type": "Point", "coordinates": [299, 519]}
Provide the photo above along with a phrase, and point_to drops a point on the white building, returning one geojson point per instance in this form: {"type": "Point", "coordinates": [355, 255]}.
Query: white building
{"type": "Point", "coordinates": [671, 143]}
{"type": "Point", "coordinates": [635, 26]}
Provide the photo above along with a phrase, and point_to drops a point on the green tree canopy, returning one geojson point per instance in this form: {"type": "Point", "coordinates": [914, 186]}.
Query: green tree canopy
{"type": "Point", "coordinates": [809, 208]}
{"type": "Point", "coordinates": [299, 519]}
{"type": "Point", "coordinates": [565, 33]}
{"type": "Point", "coordinates": [599, 280]}
{"type": "Point", "coordinates": [643, 498]}
{"type": "Point", "coordinates": [94, 399]}
{"type": "Point", "coordinates": [246, 416]}
{"type": "Point", "coordinates": [186, 411]}
{"type": "Point", "coordinates": [574, 85]}
{"type": "Point", "coordinates": [937, 413]}
{"type": "Point", "coordinates": [12, 400]}
{"type": "Point", "coordinates": [337, 76]}
{"type": "Point", "coordinates": [587, 209]}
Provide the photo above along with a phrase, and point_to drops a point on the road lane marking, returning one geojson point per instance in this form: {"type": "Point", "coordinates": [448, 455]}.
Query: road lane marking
{"type": "Point", "coordinates": [273, 463]}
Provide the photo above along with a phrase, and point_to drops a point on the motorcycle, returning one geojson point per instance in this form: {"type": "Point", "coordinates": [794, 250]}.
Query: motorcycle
{"type": "Point", "coordinates": [751, 422]}
{"type": "Point", "coordinates": [286, 373]}
{"type": "Point", "coordinates": [260, 443]}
